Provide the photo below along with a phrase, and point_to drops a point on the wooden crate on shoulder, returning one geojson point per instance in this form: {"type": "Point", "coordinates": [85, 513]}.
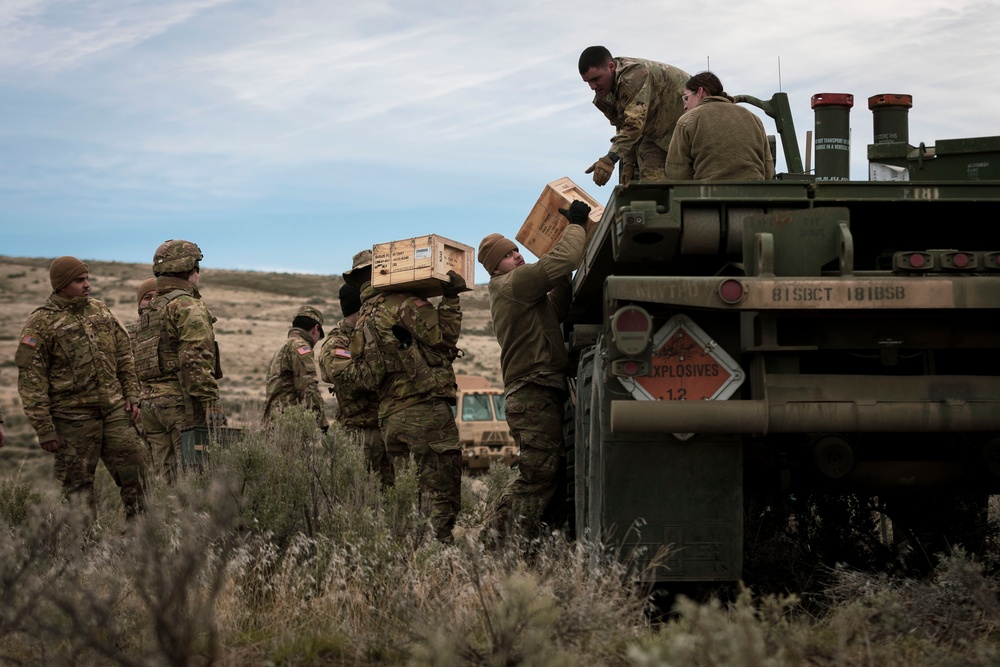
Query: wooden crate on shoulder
{"type": "Point", "coordinates": [545, 224]}
{"type": "Point", "coordinates": [420, 264]}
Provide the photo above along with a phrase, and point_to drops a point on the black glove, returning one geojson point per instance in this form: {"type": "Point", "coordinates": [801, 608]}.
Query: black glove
{"type": "Point", "coordinates": [403, 336]}
{"type": "Point", "coordinates": [577, 213]}
{"type": "Point", "coordinates": [455, 286]}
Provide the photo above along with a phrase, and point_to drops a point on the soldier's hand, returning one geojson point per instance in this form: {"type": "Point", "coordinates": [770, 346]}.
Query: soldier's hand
{"type": "Point", "coordinates": [455, 286]}
{"type": "Point", "coordinates": [577, 213]}
{"type": "Point", "coordinates": [51, 446]}
{"type": "Point", "coordinates": [602, 170]}
{"type": "Point", "coordinates": [134, 412]}
{"type": "Point", "coordinates": [215, 418]}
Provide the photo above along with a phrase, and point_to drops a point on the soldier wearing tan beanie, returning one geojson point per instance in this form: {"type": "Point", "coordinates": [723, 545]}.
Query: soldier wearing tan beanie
{"type": "Point", "coordinates": [527, 305]}
{"type": "Point", "coordinates": [64, 270]}
{"type": "Point", "coordinates": [147, 288]}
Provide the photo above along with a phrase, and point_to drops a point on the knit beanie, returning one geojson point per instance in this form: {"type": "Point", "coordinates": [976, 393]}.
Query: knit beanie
{"type": "Point", "coordinates": [147, 285]}
{"type": "Point", "coordinates": [493, 249]}
{"type": "Point", "coordinates": [65, 270]}
{"type": "Point", "coordinates": [350, 299]}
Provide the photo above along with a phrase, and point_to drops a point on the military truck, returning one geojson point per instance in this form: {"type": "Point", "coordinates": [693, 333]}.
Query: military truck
{"type": "Point", "coordinates": [482, 424]}
{"type": "Point", "coordinates": [811, 334]}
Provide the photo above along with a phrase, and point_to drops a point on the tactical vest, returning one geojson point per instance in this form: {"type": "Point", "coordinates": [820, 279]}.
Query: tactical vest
{"type": "Point", "coordinates": [428, 371]}
{"type": "Point", "coordinates": [155, 357]}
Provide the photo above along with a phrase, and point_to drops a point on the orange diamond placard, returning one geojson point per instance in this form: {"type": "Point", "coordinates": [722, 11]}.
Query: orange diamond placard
{"type": "Point", "coordinates": [687, 365]}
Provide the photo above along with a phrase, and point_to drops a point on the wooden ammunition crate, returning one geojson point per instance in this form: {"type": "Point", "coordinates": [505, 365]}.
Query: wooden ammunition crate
{"type": "Point", "coordinates": [545, 224]}
{"type": "Point", "coordinates": [198, 441]}
{"type": "Point", "coordinates": [420, 264]}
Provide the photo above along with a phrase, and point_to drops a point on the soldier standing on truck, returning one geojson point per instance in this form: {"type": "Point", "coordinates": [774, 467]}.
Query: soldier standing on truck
{"type": "Point", "coordinates": [176, 356]}
{"type": "Point", "coordinates": [405, 347]}
{"type": "Point", "coordinates": [642, 99]}
{"type": "Point", "coordinates": [77, 382]}
{"type": "Point", "coordinates": [357, 408]}
{"type": "Point", "coordinates": [527, 304]}
{"type": "Point", "coordinates": [291, 377]}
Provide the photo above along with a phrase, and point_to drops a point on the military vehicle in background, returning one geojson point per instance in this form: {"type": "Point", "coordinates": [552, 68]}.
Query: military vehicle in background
{"type": "Point", "coordinates": [482, 424]}
{"type": "Point", "coordinates": [742, 344]}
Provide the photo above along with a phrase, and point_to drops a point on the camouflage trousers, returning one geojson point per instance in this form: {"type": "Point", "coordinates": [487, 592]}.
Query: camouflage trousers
{"type": "Point", "coordinates": [652, 161]}
{"type": "Point", "coordinates": [535, 417]}
{"type": "Point", "coordinates": [428, 432]}
{"type": "Point", "coordinates": [111, 439]}
{"type": "Point", "coordinates": [377, 458]}
{"type": "Point", "coordinates": [162, 420]}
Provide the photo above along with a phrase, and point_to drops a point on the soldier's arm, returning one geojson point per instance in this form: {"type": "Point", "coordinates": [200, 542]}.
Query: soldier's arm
{"type": "Point", "coordinates": [680, 165]}
{"type": "Point", "coordinates": [196, 352]}
{"type": "Point", "coordinates": [634, 117]}
{"type": "Point", "coordinates": [32, 358]}
{"type": "Point", "coordinates": [125, 361]}
{"type": "Point", "coordinates": [531, 283]}
{"type": "Point", "coordinates": [306, 382]}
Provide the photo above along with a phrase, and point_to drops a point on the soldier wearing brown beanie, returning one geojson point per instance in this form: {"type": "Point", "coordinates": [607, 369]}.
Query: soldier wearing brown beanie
{"type": "Point", "coordinates": [527, 305]}
{"type": "Point", "coordinates": [77, 382]}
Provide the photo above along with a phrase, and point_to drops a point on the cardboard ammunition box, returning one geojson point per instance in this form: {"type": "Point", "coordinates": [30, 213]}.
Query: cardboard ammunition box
{"type": "Point", "coordinates": [197, 442]}
{"type": "Point", "coordinates": [545, 224]}
{"type": "Point", "coordinates": [420, 264]}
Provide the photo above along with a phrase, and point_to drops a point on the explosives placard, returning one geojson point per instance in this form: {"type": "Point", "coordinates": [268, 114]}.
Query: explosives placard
{"type": "Point", "coordinates": [545, 224]}
{"type": "Point", "coordinates": [420, 264]}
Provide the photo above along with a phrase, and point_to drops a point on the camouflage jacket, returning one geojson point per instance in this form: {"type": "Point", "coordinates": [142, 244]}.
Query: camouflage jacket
{"type": "Point", "coordinates": [645, 103]}
{"type": "Point", "coordinates": [291, 378]}
{"type": "Point", "coordinates": [527, 306]}
{"type": "Point", "coordinates": [74, 361]}
{"type": "Point", "coordinates": [719, 141]}
{"type": "Point", "coordinates": [189, 341]}
{"type": "Point", "coordinates": [356, 406]}
{"type": "Point", "coordinates": [406, 375]}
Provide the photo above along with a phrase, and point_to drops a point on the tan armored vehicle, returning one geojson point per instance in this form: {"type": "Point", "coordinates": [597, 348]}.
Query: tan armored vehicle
{"type": "Point", "coordinates": [482, 426]}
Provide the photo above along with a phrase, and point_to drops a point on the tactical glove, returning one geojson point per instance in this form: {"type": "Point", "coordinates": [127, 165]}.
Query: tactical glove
{"type": "Point", "coordinates": [577, 213]}
{"type": "Point", "coordinates": [403, 336]}
{"type": "Point", "coordinates": [602, 170]}
{"type": "Point", "coordinates": [455, 286]}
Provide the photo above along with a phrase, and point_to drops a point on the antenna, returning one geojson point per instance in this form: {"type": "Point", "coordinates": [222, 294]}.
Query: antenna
{"type": "Point", "coordinates": [708, 63]}
{"type": "Point", "coordinates": [779, 74]}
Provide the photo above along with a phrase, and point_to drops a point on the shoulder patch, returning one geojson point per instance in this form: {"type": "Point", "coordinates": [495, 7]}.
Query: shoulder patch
{"type": "Point", "coordinates": [420, 303]}
{"type": "Point", "coordinates": [30, 341]}
{"type": "Point", "coordinates": [305, 349]}
{"type": "Point", "coordinates": [341, 352]}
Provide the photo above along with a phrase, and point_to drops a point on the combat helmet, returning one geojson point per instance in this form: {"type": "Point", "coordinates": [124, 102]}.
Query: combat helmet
{"type": "Point", "coordinates": [176, 256]}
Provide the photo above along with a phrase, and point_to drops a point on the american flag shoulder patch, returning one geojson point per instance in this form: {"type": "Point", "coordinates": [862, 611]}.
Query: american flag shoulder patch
{"type": "Point", "coordinates": [305, 349]}
{"type": "Point", "coordinates": [30, 341]}
{"type": "Point", "coordinates": [341, 352]}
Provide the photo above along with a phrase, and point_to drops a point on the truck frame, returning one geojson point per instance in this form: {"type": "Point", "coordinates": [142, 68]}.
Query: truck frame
{"type": "Point", "coordinates": [803, 335]}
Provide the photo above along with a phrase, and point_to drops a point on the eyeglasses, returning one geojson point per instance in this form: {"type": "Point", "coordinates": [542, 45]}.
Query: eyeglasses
{"type": "Point", "coordinates": [685, 96]}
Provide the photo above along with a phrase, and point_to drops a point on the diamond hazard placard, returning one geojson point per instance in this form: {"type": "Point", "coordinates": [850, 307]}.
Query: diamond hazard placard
{"type": "Point", "coordinates": [687, 365]}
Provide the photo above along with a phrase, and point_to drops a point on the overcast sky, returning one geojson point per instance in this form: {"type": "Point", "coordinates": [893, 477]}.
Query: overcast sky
{"type": "Point", "coordinates": [288, 135]}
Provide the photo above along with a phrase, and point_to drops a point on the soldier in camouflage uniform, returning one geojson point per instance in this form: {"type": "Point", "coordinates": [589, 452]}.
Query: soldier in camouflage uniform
{"type": "Point", "coordinates": [77, 382]}
{"type": "Point", "coordinates": [357, 408]}
{"type": "Point", "coordinates": [291, 378]}
{"type": "Point", "coordinates": [404, 346]}
{"type": "Point", "coordinates": [527, 304]}
{"type": "Point", "coordinates": [642, 99]}
{"type": "Point", "coordinates": [176, 356]}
